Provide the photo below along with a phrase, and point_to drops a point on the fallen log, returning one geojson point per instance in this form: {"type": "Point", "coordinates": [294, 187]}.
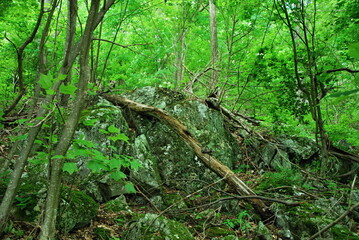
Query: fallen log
{"type": "Point", "coordinates": [203, 154]}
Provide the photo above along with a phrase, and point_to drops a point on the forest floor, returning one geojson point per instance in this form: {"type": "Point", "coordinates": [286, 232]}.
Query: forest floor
{"type": "Point", "coordinates": [117, 224]}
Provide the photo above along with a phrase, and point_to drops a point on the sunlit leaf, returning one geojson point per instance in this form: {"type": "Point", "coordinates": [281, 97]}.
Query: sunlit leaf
{"type": "Point", "coordinates": [135, 164]}
{"type": "Point", "coordinates": [70, 167]}
{"type": "Point", "coordinates": [46, 81]}
{"type": "Point", "coordinates": [89, 122]}
{"type": "Point", "coordinates": [113, 129]}
{"type": "Point", "coordinates": [353, 50]}
{"type": "Point", "coordinates": [50, 92]}
{"type": "Point", "coordinates": [117, 175]}
{"type": "Point", "coordinates": [130, 188]}
{"type": "Point", "coordinates": [120, 136]}
{"type": "Point", "coordinates": [68, 89]}
{"type": "Point", "coordinates": [95, 166]}
{"type": "Point", "coordinates": [115, 163]}
{"type": "Point", "coordinates": [62, 77]}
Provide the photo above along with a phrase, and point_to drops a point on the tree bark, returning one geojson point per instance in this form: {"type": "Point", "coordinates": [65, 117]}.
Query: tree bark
{"type": "Point", "coordinates": [20, 58]}
{"type": "Point", "coordinates": [214, 44]}
{"type": "Point", "coordinates": [71, 53]}
{"type": "Point", "coordinates": [211, 162]}
{"type": "Point", "coordinates": [48, 228]}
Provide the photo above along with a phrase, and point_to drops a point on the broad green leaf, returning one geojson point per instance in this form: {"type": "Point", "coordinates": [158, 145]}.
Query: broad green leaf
{"type": "Point", "coordinates": [37, 141]}
{"type": "Point", "coordinates": [62, 77]}
{"type": "Point", "coordinates": [115, 163]}
{"type": "Point", "coordinates": [19, 137]}
{"type": "Point", "coordinates": [354, 50]}
{"type": "Point", "coordinates": [70, 167]}
{"type": "Point", "coordinates": [69, 89]}
{"type": "Point", "coordinates": [103, 131]}
{"type": "Point", "coordinates": [21, 121]}
{"type": "Point", "coordinates": [90, 122]}
{"type": "Point", "coordinates": [130, 188]}
{"type": "Point", "coordinates": [50, 92]}
{"type": "Point", "coordinates": [113, 129]}
{"type": "Point", "coordinates": [98, 155]}
{"type": "Point", "coordinates": [58, 157]}
{"type": "Point", "coordinates": [135, 164]}
{"type": "Point", "coordinates": [120, 136]}
{"type": "Point", "coordinates": [46, 81]}
{"type": "Point", "coordinates": [86, 143]}
{"type": "Point", "coordinates": [95, 166]}
{"type": "Point", "coordinates": [117, 175]}
{"type": "Point", "coordinates": [41, 158]}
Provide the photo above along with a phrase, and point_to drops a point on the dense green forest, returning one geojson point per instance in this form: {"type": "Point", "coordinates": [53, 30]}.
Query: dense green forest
{"type": "Point", "coordinates": [288, 67]}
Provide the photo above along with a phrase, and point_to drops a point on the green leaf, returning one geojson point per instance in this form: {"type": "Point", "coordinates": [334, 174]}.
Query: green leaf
{"type": "Point", "coordinates": [89, 122]}
{"type": "Point", "coordinates": [58, 157]}
{"type": "Point", "coordinates": [46, 81]}
{"type": "Point", "coordinates": [135, 164]}
{"type": "Point", "coordinates": [354, 50]}
{"type": "Point", "coordinates": [117, 175]}
{"type": "Point", "coordinates": [115, 163]}
{"type": "Point", "coordinates": [37, 141]}
{"type": "Point", "coordinates": [19, 137]}
{"type": "Point", "coordinates": [344, 93]}
{"type": "Point", "coordinates": [120, 136]}
{"type": "Point", "coordinates": [356, 80]}
{"type": "Point", "coordinates": [130, 188]}
{"type": "Point", "coordinates": [50, 92]}
{"type": "Point", "coordinates": [113, 129]}
{"type": "Point", "coordinates": [103, 131]}
{"type": "Point", "coordinates": [62, 77]}
{"type": "Point", "coordinates": [21, 121]}
{"type": "Point", "coordinates": [86, 143]}
{"type": "Point", "coordinates": [95, 166]}
{"type": "Point", "coordinates": [69, 89]}
{"type": "Point", "coordinates": [70, 167]}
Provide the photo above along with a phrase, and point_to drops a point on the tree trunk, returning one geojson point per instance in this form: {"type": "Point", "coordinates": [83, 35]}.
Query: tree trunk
{"type": "Point", "coordinates": [214, 45]}
{"type": "Point", "coordinates": [211, 162]}
{"type": "Point", "coordinates": [71, 52]}
{"type": "Point", "coordinates": [48, 228]}
{"type": "Point", "coordinates": [20, 58]}
{"type": "Point", "coordinates": [180, 56]}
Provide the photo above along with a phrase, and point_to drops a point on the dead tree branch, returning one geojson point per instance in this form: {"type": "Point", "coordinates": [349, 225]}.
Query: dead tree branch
{"type": "Point", "coordinates": [211, 162]}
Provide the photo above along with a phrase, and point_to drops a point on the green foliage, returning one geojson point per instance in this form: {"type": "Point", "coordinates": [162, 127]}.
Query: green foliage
{"type": "Point", "coordinates": [354, 50]}
{"type": "Point", "coordinates": [242, 168]}
{"type": "Point", "coordinates": [26, 201]}
{"type": "Point", "coordinates": [114, 164]}
{"type": "Point", "coordinates": [11, 229]}
{"type": "Point", "coordinates": [286, 177]}
{"type": "Point", "coordinates": [241, 222]}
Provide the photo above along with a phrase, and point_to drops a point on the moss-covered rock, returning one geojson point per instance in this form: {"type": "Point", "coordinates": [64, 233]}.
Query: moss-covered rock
{"type": "Point", "coordinates": [76, 210]}
{"type": "Point", "coordinates": [163, 153]}
{"type": "Point", "coordinates": [217, 232]}
{"type": "Point", "coordinates": [118, 204]}
{"type": "Point", "coordinates": [153, 227]}
{"type": "Point", "coordinates": [307, 219]}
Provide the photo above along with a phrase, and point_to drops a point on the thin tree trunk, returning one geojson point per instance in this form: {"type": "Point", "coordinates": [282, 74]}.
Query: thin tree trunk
{"type": "Point", "coordinates": [48, 228]}
{"type": "Point", "coordinates": [180, 56]}
{"type": "Point", "coordinates": [20, 58]}
{"type": "Point", "coordinates": [71, 52]}
{"type": "Point", "coordinates": [214, 44]}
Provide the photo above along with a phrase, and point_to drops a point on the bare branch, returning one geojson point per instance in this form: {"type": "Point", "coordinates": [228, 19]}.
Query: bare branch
{"type": "Point", "coordinates": [334, 222]}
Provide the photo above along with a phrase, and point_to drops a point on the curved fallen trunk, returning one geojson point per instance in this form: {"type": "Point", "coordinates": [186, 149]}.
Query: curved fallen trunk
{"type": "Point", "coordinates": [211, 162]}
